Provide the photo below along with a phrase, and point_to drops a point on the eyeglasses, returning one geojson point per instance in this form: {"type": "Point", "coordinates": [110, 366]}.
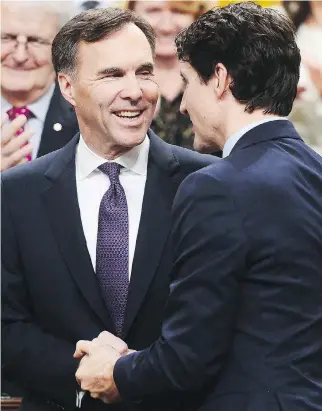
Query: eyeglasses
{"type": "Point", "coordinates": [31, 42]}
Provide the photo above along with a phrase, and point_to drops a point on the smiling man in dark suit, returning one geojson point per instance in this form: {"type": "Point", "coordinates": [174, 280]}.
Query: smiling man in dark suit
{"type": "Point", "coordinates": [243, 322]}
{"type": "Point", "coordinates": [28, 81]}
{"type": "Point", "coordinates": [85, 229]}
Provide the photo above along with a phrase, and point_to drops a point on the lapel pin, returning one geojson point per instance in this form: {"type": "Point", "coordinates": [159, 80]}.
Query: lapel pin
{"type": "Point", "coordinates": [57, 127]}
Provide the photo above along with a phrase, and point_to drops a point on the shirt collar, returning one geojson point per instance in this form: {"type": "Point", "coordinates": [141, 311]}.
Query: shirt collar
{"type": "Point", "coordinates": [39, 108]}
{"type": "Point", "coordinates": [135, 160]}
{"type": "Point", "coordinates": [232, 141]}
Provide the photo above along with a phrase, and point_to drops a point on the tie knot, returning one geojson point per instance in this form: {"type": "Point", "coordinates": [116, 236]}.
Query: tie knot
{"type": "Point", "coordinates": [112, 170]}
{"type": "Point", "coordinates": [17, 111]}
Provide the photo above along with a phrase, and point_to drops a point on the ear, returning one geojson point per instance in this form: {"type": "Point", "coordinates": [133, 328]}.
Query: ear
{"type": "Point", "coordinates": [221, 80]}
{"type": "Point", "coordinates": [66, 87]}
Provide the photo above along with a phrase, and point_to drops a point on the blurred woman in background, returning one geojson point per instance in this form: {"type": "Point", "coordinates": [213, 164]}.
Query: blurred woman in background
{"type": "Point", "coordinates": [307, 110]}
{"type": "Point", "coordinates": [168, 18]}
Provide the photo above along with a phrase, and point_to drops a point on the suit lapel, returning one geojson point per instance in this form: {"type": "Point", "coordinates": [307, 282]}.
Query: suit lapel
{"type": "Point", "coordinates": [272, 130]}
{"type": "Point", "coordinates": [60, 124]}
{"type": "Point", "coordinates": [61, 204]}
{"type": "Point", "coordinates": [155, 223]}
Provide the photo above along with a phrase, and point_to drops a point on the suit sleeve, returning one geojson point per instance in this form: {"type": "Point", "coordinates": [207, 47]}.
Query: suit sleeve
{"type": "Point", "coordinates": [38, 362]}
{"type": "Point", "coordinates": [210, 252]}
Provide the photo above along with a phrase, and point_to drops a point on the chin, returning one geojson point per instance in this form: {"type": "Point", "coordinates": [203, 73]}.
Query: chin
{"type": "Point", "coordinates": [204, 147]}
{"type": "Point", "coordinates": [166, 52]}
{"type": "Point", "coordinates": [16, 83]}
{"type": "Point", "coordinates": [134, 140]}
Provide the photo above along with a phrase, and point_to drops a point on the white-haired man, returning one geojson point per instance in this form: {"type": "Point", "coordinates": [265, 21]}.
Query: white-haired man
{"type": "Point", "coordinates": [28, 81]}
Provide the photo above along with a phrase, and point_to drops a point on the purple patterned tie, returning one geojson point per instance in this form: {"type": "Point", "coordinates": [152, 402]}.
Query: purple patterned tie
{"type": "Point", "coordinates": [112, 249]}
{"type": "Point", "coordinates": [17, 111]}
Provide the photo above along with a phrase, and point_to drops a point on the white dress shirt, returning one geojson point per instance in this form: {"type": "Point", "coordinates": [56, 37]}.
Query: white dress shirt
{"type": "Point", "coordinates": [232, 141]}
{"type": "Point", "coordinates": [39, 108]}
{"type": "Point", "coordinates": [93, 183]}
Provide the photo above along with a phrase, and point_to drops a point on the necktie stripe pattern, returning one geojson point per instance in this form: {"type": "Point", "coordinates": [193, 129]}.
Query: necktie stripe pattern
{"type": "Point", "coordinates": [17, 111]}
{"type": "Point", "coordinates": [112, 249]}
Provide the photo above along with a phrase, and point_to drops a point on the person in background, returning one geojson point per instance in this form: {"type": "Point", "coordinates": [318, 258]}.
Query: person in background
{"type": "Point", "coordinates": [28, 85]}
{"type": "Point", "coordinates": [307, 110]}
{"type": "Point", "coordinates": [168, 18]}
{"type": "Point", "coordinates": [82, 5]}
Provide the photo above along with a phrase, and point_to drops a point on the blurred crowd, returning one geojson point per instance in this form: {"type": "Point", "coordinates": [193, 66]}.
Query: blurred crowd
{"type": "Point", "coordinates": [28, 80]}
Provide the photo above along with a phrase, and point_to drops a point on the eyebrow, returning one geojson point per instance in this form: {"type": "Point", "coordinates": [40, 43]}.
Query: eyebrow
{"type": "Point", "coordinates": [146, 66]}
{"type": "Point", "coordinates": [110, 71]}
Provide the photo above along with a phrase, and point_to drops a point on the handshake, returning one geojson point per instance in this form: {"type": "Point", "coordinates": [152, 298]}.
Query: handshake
{"type": "Point", "coordinates": [95, 370]}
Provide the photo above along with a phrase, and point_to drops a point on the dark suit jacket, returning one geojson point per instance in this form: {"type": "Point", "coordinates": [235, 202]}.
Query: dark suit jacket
{"type": "Point", "coordinates": [61, 112]}
{"type": "Point", "coordinates": [50, 295]}
{"type": "Point", "coordinates": [243, 323]}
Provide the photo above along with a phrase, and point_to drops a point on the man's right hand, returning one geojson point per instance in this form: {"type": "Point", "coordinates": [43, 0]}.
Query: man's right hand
{"type": "Point", "coordinates": [105, 338]}
{"type": "Point", "coordinates": [14, 149]}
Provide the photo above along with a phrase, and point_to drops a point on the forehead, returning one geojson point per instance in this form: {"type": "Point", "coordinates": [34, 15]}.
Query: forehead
{"type": "Point", "coordinates": [184, 6]}
{"type": "Point", "coordinates": [28, 20]}
{"type": "Point", "coordinates": [126, 49]}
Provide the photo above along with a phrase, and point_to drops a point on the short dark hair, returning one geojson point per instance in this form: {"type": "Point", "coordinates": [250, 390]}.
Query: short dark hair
{"type": "Point", "coordinates": [91, 26]}
{"type": "Point", "coordinates": [257, 46]}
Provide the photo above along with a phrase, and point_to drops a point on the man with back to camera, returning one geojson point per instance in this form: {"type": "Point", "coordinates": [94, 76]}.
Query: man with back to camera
{"type": "Point", "coordinates": [85, 229]}
{"type": "Point", "coordinates": [243, 322]}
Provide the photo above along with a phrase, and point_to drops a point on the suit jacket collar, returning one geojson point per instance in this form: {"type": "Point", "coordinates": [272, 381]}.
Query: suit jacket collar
{"type": "Point", "coordinates": [160, 154]}
{"type": "Point", "coordinates": [63, 210]}
{"type": "Point", "coordinates": [61, 204]}
{"type": "Point", "coordinates": [272, 130]}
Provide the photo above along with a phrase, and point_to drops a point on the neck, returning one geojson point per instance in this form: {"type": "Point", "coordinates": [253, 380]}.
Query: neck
{"type": "Point", "coordinates": [316, 14]}
{"type": "Point", "coordinates": [167, 64]}
{"type": "Point", "coordinates": [169, 80]}
{"type": "Point", "coordinates": [101, 147]}
{"type": "Point", "coordinates": [18, 99]}
{"type": "Point", "coordinates": [239, 119]}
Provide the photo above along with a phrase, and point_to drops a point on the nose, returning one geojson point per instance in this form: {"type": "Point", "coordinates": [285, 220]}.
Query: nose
{"type": "Point", "coordinates": [132, 89]}
{"type": "Point", "coordinates": [166, 23]}
{"type": "Point", "coordinates": [183, 109]}
{"type": "Point", "coordinates": [20, 54]}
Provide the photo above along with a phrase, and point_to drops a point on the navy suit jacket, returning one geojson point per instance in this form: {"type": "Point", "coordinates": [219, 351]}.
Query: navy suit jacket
{"type": "Point", "coordinates": [243, 324]}
{"type": "Point", "coordinates": [50, 295]}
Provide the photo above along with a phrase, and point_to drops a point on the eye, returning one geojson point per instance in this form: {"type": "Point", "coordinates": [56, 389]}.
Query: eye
{"type": "Point", "coordinates": [145, 73]}
{"type": "Point", "coordinates": [7, 37]}
{"type": "Point", "coordinates": [153, 10]}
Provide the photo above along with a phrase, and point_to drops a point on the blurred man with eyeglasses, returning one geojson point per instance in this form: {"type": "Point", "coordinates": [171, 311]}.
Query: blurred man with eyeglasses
{"type": "Point", "coordinates": [42, 121]}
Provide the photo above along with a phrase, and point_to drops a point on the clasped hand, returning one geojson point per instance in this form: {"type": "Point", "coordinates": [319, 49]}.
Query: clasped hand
{"type": "Point", "coordinates": [95, 371]}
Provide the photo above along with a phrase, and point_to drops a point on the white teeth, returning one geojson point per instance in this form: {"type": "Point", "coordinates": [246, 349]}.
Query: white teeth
{"type": "Point", "coordinates": [128, 114]}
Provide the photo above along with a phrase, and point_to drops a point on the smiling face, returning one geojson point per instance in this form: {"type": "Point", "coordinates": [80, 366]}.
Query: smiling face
{"type": "Point", "coordinates": [114, 92]}
{"type": "Point", "coordinates": [167, 19]}
{"type": "Point", "coordinates": [26, 68]}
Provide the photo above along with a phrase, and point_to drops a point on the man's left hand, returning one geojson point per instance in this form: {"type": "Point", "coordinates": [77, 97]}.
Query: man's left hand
{"type": "Point", "coordinates": [95, 371]}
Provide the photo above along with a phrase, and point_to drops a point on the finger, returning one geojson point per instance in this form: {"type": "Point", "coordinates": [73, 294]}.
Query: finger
{"type": "Point", "coordinates": [4, 119]}
{"type": "Point", "coordinates": [15, 158]}
{"type": "Point", "coordinates": [82, 347]}
{"type": "Point", "coordinates": [95, 395]}
{"type": "Point", "coordinates": [78, 354]}
{"type": "Point", "coordinates": [11, 129]}
{"type": "Point", "coordinates": [110, 339]}
{"type": "Point", "coordinates": [15, 143]}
